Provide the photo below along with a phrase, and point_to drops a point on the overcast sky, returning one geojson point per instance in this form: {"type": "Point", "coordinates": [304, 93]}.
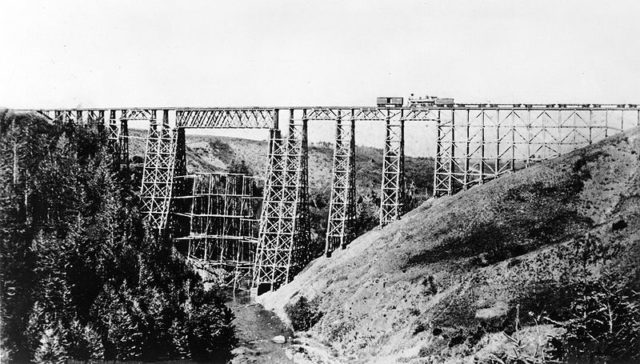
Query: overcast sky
{"type": "Point", "coordinates": [263, 53]}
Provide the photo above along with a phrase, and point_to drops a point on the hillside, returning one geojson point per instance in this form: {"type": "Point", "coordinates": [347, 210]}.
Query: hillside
{"type": "Point", "coordinates": [207, 153]}
{"type": "Point", "coordinates": [490, 274]}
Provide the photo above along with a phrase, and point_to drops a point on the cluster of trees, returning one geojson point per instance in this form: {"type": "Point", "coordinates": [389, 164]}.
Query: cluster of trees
{"type": "Point", "coordinates": [80, 275]}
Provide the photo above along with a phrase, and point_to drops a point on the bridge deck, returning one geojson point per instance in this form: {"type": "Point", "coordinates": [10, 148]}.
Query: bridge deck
{"type": "Point", "coordinates": [522, 106]}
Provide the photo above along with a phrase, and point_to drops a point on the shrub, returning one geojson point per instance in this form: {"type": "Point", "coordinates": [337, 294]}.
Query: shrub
{"type": "Point", "coordinates": [304, 313]}
{"type": "Point", "coordinates": [430, 286]}
{"type": "Point", "coordinates": [604, 323]}
{"type": "Point", "coordinates": [425, 351]}
{"type": "Point", "coordinates": [339, 330]}
{"type": "Point", "coordinates": [210, 329]}
{"type": "Point", "coordinates": [50, 349]}
{"type": "Point", "coordinates": [420, 327]}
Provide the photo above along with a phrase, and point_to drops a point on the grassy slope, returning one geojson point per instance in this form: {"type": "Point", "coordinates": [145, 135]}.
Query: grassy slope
{"type": "Point", "coordinates": [458, 264]}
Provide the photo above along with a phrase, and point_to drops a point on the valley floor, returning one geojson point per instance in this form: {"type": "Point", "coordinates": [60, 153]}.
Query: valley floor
{"type": "Point", "coordinates": [255, 328]}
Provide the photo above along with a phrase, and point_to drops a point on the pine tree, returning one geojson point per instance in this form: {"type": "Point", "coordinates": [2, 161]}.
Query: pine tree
{"type": "Point", "coordinates": [16, 260]}
{"type": "Point", "coordinates": [51, 349]}
{"type": "Point", "coordinates": [179, 340]}
{"type": "Point", "coordinates": [122, 331]}
{"type": "Point", "coordinates": [94, 346]}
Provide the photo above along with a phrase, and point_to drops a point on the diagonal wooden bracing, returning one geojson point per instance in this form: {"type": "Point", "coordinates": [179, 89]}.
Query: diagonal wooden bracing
{"type": "Point", "coordinates": [284, 226]}
{"type": "Point", "coordinates": [158, 174]}
{"type": "Point", "coordinates": [113, 139]}
{"type": "Point", "coordinates": [392, 187]}
{"type": "Point", "coordinates": [342, 206]}
{"type": "Point", "coordinates": [242, 118]}
{"type": "Point", "coordinates": [477, 143]}
{"type": "Point", "coordinates": [269, 243]}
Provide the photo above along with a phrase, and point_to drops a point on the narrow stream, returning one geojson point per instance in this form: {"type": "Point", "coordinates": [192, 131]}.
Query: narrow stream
{"type": "Point", "coordinates": [255, 328]}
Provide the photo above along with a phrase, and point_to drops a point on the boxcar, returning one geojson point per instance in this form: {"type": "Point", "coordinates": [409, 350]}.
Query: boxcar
{"type": "Point", "coordinates": [390, 101]}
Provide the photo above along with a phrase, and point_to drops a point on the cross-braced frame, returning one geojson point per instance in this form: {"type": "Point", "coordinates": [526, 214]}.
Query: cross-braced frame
{"type": "Point", "coordinates": [283, 247]}
{"type": "Point", "coordinates": [223, 217]}
{"type": "Point", "coordinates": [342, 205]}
{"type": "Point", "coordinates": [477, 143]}
{"type": "Point", "coordinates": [392, 186]}
{"type": "Point", "coordinates": [158, 174]}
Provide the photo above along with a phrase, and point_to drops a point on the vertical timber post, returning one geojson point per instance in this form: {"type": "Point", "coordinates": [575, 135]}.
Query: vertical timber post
{"type": "Point", "coordinates": [452, 156]}
{"type": "Point", "coordinates": [180, 182]}
{"type": "Point", "coordinates": [401, 177]}
{"type": "Point", "coordinates": [591, 125]}
{"type": "Point", "coordinates": [14, 139]}
{"type": "Point", "coordinates": [497, 161]}
{"type": "Point", "coordinates": [385, 178]}
{"type": "Point", "coordinates": [123, 142]}
{"type": "Point", "coordinates": [437, 169]}
{"type": "Point", "coordinates": [530, 138]}
{"type": "Point", "coordinates": [351, 213]}
{"type": "Point", "coordinates": [482, 145]}
{"type": "Point", "coordinates": [467, 157]}
{"type": "Point", "coordinates": [289, 204]}
{"type": "Point", "coordinates": [113, 139]}
{"type": "Point", "coordinates": [513, 140]}
{"type": "Point", "coordinates": [79, 119]}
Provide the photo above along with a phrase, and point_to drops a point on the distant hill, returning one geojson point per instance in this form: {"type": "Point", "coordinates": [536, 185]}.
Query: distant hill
{"type": "Point", "coordinates": [215, 153]}
{"type": "Point", "coordinates": [538, 264]}
{"type": "Point", "coordinates": [206, 154]}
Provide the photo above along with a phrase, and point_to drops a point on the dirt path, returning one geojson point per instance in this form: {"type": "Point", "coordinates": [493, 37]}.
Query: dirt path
{"type": "Point", "coordinates": [256, 327]}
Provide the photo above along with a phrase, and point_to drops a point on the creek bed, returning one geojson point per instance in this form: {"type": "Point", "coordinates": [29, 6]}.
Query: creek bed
{"type": "Point", "coordinates": [255, 327]}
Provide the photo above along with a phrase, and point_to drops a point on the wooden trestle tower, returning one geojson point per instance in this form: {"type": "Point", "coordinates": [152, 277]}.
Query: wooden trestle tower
{"type": "Point", "coordinates": [342, 204]}
{"type": "Point", "coordinates": [160, 162]}
{"type": "Point", "coordinates": [474, 143]}
{"type": "Point", "coordinates": [283, 245]}
{"type": "Point", "coordinates": [392, 187]}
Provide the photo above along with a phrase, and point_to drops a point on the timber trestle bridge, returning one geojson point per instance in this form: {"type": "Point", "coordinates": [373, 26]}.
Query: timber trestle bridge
{"type": "Point", "coordinates": [259, 230]}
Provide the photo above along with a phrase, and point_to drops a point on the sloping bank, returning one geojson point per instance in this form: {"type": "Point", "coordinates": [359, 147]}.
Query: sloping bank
{"type": "Point", "coordinates": [493, 272]}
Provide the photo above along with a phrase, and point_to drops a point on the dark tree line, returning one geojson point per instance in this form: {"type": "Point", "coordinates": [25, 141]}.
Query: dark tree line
{"type": "Point", "coordinates": [80, 276]}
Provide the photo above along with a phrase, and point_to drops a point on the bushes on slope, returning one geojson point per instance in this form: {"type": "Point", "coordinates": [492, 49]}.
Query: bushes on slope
{"type": "Point", "coordinates": [304, 313]}
{"type": "Point", "coordinates": [603, 323]}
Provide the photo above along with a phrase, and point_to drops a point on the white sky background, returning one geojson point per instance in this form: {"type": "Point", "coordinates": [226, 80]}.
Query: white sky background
{"type": "Point", "coordinates": [266, 53]}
